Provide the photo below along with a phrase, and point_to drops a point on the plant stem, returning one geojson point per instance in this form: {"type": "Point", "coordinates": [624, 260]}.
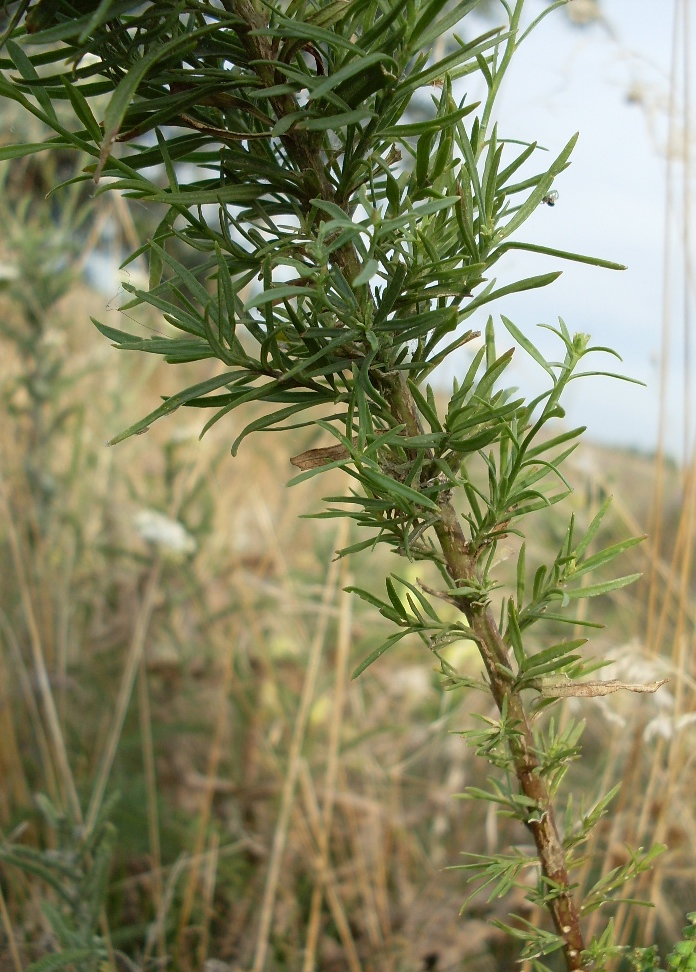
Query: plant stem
{"type": "Point", "coordinates": [542, 821]}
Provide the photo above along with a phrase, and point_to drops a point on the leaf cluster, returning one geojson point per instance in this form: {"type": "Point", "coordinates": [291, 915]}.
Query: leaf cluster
{"type": "Point", "coordinates": [341, 248]}
{"type": "Point", "coordinates": [682, 957]}
{"type": "Point", "coordinates": [367, 260]}
{"type": "Point", "coordinates": [76, 873]}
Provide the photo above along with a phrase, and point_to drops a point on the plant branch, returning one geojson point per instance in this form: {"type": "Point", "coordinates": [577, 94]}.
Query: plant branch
{"type": "Point", "coordinates": [541, 821]}
{"type": "Point", "coordinates": [372, 239]}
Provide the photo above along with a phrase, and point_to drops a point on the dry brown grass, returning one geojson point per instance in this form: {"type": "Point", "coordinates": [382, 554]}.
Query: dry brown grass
{"type": "Point", "coordinates": [275, 815]}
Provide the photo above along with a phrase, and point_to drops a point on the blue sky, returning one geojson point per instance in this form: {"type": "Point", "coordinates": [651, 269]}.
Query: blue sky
{"type": "Point", "coordinates": [611, 84]}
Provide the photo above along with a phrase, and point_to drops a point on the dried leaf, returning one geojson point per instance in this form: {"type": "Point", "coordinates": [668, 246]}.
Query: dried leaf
{"type": "Point", "coordinates": [441, 594]}
{"type": "Point", "coordinates": [321, 457]}
{"type": "Point", "coordinates": [562, 687]}
{"type": "Point", "coordinates": [313, 458]}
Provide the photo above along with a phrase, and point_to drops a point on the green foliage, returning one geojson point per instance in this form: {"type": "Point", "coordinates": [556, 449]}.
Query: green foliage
{"type": "Point", "coordinates": [682, 958]}
{"type": "Point", "coordinates": [76, 873]}
{"type": "Point", "coordinates": [38, 267]}
{"type": "Point", "coordinates": [337, 253]}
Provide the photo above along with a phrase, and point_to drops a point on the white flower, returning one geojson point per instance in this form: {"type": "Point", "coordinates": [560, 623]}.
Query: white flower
{"type": "Point", "coordinates": [164, 532]}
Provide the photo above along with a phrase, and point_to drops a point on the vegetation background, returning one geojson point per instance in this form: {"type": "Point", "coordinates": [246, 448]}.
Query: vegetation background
{"type": "Point", "coordinates": [172, 632]}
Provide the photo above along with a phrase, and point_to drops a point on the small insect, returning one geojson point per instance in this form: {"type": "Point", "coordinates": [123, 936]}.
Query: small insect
{"type": "Point", "coordinates": [551, 198]}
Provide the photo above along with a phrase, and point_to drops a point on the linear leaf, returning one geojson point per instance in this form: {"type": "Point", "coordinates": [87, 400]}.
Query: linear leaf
{"type": "Point", "coordinates": [593, 528]}
{"type": "Point", "coordinates": [436, 124]}
{"type": "Point", "coordinates": [604, 556]}
{"type": "Point", "coordinates": [561, 254]}
{"type": "Point", "coordinates": [535, 197]}
{"type": "Point", "coordinates": [353, 68]}
{"type": "Point", "coordinates": [279, 293]}
{"type": "Point", "coordinates": [128, 85]}
{"type": "Point", "coordinates": [426, 32]}
{"type": "Point", "coordinates": [171, 405]}
{"type": "Point", "coordinates": [378, 652]}
{"type": "Point", "coordinates": [525, 343]}
{"type": "Point", "coordinates": [529, 283]}
{"type": "Point", "coordinates": [20, 150]}
{"type": "Point", "coordinates": [593, 590]}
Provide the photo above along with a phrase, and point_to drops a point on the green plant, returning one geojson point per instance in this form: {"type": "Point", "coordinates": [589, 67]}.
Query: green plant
{"type": "Point", "coordinates": [76, 872]}
{"type": "Point", "coordinates": [348, 249]}
{"type": "Point", "coordinates": [682, 958]}
{"type": "Point", "coordinates": [38, 265]}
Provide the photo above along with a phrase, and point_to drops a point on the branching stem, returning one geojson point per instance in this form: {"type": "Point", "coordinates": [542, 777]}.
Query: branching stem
{"type": "Point", "coordinates": [542, 821]}
{"type": "Point", "coordinates": [461, 566]}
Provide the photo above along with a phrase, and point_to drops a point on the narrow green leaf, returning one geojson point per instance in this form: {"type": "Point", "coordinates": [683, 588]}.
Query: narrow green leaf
{"type": "Point", "coordinates": [366, 596]}
{"type": "Point", "coordinates": [335, 122]}
{"type": "Point", "coordinates": [99, 17]}
{"type": "Point", "coordinates": [551, 654]}
{"type": "Point", "coordinates": [21, 150]}
{"type": "Point", "coordinates": [171, 405]}
{"type": "Point", "coordinates": [529, 283]}
{"type": "Point", "coordinates": [128, 85]}
{"type": "Point", "coordinates": [509, 170]}
{"type": "Point", "coordinates": [386, 18]}
{"type": "Point", "coordinates": [82, 110]}
{"type": "Point", "coordinates": [415, 214]}
{"type": "Point", "coordinates": [423, 150]}
{"type": "Point", "coordinates": [28, 72]}
{"type": "Point", "coordinates": [450, 63]}
{"type": "Point", "coordinates": [331, 208]}
{"type": "Point", "coordinates": [604, 556]}
{"type": "Point", "coordinates": [593, 590]}
{"type": "Point", "coordinates": [176, 316]}
{"type": "Point", "coordinates": [422, 599]}
{"type": "Point", "coordinates": [430, 127]}
{"type": "Point", "coordinates": [514, 636]}
{"type": "Point", "coordinates": [266, 422]}
{"type": "Point", "coordinates": [549, 444]}
{"type": "Point", "coordinates": [593, 528]}
{"type": "Point", "coordinates": [317, 471]}
{"type": "Point", "coordinates": [425, 20]}
{"type": "Point", "coordinates": [471, 169]}
{"type": "Point", "coordinates": [521, 575]}
{"type": "Point", "coordinates": [398, 491]}
{"type": "Point", "coordinates": [525, 343]}
{"type": "Point", "coordinates": [366, 274]}
{"type": "Point", "coordinates": [378, 652]}
{"type": "Point", "coordinates": [355, 67]}
{"type": "Point", "coordinates": [426, 406]}
{"type": "Point", "coordinates": [531, 616]}
{"type": "Point", "coordinates": [282, 292]}
{"type": "Point", "coordinates": [304, 31]}
{"type": "Point", "coordinates": [552, 251]}
{"type": "Point", "coordinates": [539, 192]}
{"type": "Point", "coordinates": [397, 275]}
{"type": "Point", "coordinates": [395, 599]}
{"type": "Point", "coordinates": [427, 32]}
